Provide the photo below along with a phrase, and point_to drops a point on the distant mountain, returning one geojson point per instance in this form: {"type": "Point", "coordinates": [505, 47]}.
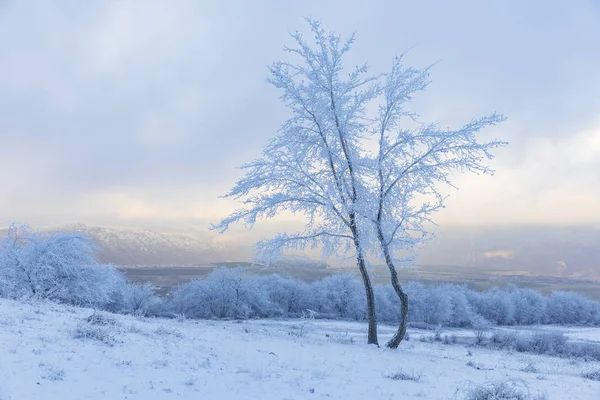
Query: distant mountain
{"type": "Point", "coordinates": [145, 247]}
{"type": "Point", "coordinates": [557, 251]}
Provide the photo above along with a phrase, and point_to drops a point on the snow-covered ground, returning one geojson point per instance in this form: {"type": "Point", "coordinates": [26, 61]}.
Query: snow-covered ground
{"type": "Point", "coordinates": [42, 358]}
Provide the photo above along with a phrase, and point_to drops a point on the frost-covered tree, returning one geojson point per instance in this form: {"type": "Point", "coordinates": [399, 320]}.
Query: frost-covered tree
{"type": "Point", "coordinates": [529, 306]}
{"type": "Point", "coordinates": [570, 308]}
{"type": "Point", "coordinates": [313, 165]}
{"type": "Point", "coordinates": [224, 293]}
{"type": "Point", "coordinates": [319, 164]}
{"type": "Point", "coordinates": [410, 168]}
{"type": "Point", "coordinates": [134, 298]}
{"type": "Point", "coordinates": [339, 296]}
{"type": "Point", "coordinates": [60, 267]}
{"type": "Point", "coordinates": [495, 305]}
{"type": "Point", "coordinates": [288, 297]}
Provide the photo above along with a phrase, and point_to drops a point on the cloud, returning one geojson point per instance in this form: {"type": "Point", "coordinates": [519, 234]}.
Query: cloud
{"type": "Point", "coordinates": [556, 180]}
{"type": "Point", "coordinates": [139, 111]}
{"type": "Point", "coordinates": [499, 254]}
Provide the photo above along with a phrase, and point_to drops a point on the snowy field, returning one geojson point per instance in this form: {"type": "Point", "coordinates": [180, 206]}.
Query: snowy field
{"type": "Point", "coordinates": [49, 351]}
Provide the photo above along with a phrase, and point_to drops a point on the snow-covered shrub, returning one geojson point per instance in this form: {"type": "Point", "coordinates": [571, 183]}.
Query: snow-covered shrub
{"type": "Point", "coordinates": [52, 373]}
{"type": "Point", "coordinates": [306, 323]}
{"type": "Point", "coordinates": [100, 333]}
{"type": "Point", "coordinates": [229, 293]}
{"type": "Point", "coordinates": [225, 293]}
{"type": "Point", "coordinates": [404, 376]}
{"type": "Point", "coordinates": [592, 375]}
{"type": "Point", "coordinates": [504, 340]}
{"type": "Point", "coordinates": [529, 306]}
{"type": "Point", "coordinates": [547, 343]}
{"type": "Point", "coordinates": [480, 327]}
{"type": "Point", "coordinates": [59, 267]}
{"type": "Point", "coordinates": [340, 296]}
{"type": "Point", "coordinates": [166, 331]}
{"type": "Point", "coordinates": [495, 305]}
{"type": "Point", "coordinates": [437, 308]}
{"type": "Point", "coordinates": [462, 314]}
{"type": "Point", "coordinates": [544, 343]}
{"type": "Point", "coordinates": [287, 297]}
{"type": "Point", "coordinates": [571, 308]}
{"type": "Point", "coordinates": [437, 305]}
{"type": "Point", "coordinates": [134, 298]}
{"type": "Point", "coordinates": [584, 351]}
{"type": "Point", "coordinates": [387, 304]}
{"type": "Point", "coordinates": [505, 390]}
{"type": "Point", "coordinates": [101, 319]}
{"type": "Point", "coordinates": [189, 300]}
{"type": "Point", "coordinates": [417, 298]}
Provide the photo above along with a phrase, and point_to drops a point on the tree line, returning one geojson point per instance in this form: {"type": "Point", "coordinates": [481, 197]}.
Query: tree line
{"type": "Point", "coordinates": [62, 267]}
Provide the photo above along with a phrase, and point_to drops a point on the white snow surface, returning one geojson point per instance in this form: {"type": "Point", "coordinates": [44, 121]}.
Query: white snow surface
{"type": "Point", "coordinates": [258, 359]}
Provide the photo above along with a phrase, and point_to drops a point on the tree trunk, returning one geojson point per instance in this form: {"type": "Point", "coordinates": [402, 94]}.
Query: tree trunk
{"type": "Point", "coordinates": [371, 316]}
{"type": "Point", "coordinates": [372, 335]}
{"type": "Point", "coordinates": [401, 332]}
{"type": "Point", "coordinates": [399, 336]}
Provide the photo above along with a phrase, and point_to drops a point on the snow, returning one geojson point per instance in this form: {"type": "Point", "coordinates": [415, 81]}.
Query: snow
{"type": "Point", "coordinates": [256, 359]}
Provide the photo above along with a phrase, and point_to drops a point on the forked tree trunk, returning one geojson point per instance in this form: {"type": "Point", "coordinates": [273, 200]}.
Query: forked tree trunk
{"type": "Point", "coordinates": [401, 332]}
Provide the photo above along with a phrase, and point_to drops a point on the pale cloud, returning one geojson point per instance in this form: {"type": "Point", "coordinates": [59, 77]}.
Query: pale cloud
{"type": "Point", "coordinates": [499, 254]}
{"type": "Point", "coordinates": [557, 180]}
{"type": "Point", "coordinates": [138, 112]}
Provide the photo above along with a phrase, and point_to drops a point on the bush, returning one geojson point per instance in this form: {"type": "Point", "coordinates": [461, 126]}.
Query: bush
{"type": "Point", "coordinates": [571, 308]}
{"type": "Point", "coordinates": [480, 327]}
{"type": "Point", "coordinates": [94, 332]}
{"type": "Point", "coordinates": [340, 297]}
{"type": "Point", "coordinates": [287, 297]}
{"type": "Point", "coordinates": [592, 375]}
{"type": "Point", "coordinates": [225, 293]}
{"type": "Point", "coordinates": [506, 390]}
{"type": "Point", "coordinates": [547, 343]}
{"type": "Point", "coordinates": [404, 376]}
{"type": "Point", "coordinates": [59, 267]}
{"type": "Point", "coordinates": [101, 319]}
{"type": "Point", "coordinates": [132, 298]}
{"type": "Point", "coordinates": [62, 267]}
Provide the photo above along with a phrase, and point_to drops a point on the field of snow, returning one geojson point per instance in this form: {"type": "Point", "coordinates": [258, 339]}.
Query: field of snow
{"type": "Point", "coordinates": [49, 351]}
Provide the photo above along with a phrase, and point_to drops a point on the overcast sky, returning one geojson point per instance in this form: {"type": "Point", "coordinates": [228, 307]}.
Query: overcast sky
{"type": "Point", "coordinates": [136, 113]}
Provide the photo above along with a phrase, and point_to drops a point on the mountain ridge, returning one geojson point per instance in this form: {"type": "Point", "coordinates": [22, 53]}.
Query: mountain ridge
{"type": "Point", "coordinates": [558, 251]}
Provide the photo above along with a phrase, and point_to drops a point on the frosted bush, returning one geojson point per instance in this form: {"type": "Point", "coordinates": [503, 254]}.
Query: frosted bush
{"type": "Point", "coordinates": [59, 267]}
{"type": "Point", "coordinates": [506, 390]}
{"type": "Point", "coordinates": [94, 332]}
{"type": "Point", "coordinates": [225, 293]}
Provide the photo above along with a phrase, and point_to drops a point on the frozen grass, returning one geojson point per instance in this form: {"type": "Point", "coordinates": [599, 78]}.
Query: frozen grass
{"type": "Point", "coordinates": [504, 390]}
{"type": "Point", "coordinates": [101, 319]}
{"type": "Point", "coordinates": [546, 343]}
{"type": "Point", "coordinates": [96, 333]}
{"type": "Point", "coordinates": [52, 373]}
{"type": "Point", "coordinates": [165, 331]}
{"type": "Point", "coordinates": [404, 376]}
{"type": "Point", "coordinates": [99, 327]}
{"type": "Point", "coordinates": [592, 375]}
{"type": "Point", "coordinates": [154, 358]}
